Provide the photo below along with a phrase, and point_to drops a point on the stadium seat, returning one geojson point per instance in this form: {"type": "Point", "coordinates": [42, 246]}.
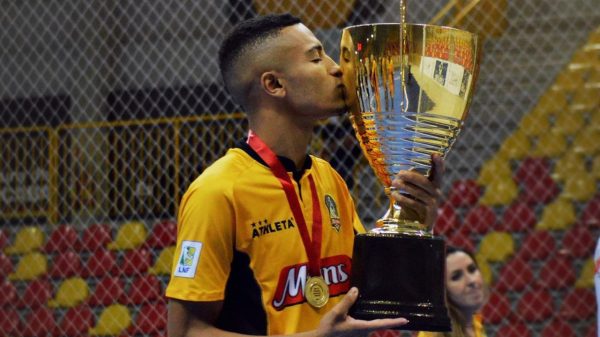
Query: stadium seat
{"type": "Point", "coordinates": [163, 234]}
{"type": "Point", "coordinates": [584, 59]}
{"type": "Point", "coordinates": [77, 321]}
{"type": "Point", "coordinates": [94, 237]}
{"type": "Point", "coordinates": [479, 219]}
{"type": "Point", "coordinates": [558, 215]}
{"type": "Point", "coordinates": [568, 165]}
{"type": "Point", "coordinates": [71, 292]}
{"type": "Point", "coordinates": [485, 269]}
{"type": "Point", "coordinates": [36, 294]}
{"type": "Point", "coordinates": [579, 242]}
{"type": "Point", "coordinates": [30, 267]}
{"type": "Point", "coordinates": [537, 245]}
{"type": "Point", "coordinates": [540, 191]}
{"type": "Point", "coordinates": [591, 213]}
{"type": "Point", "coordinates": [532, 170]}
{"type": "Point", "coordinates": [113, 321]}
{"type": "Point", "coordinates": [9, 322]}
{"type": "Point", "coordinates": [494, 168]}
{"type": "Point", "coordinates": [578, 305]}
{"type": "Point", "coordinates": [516, 146]}
{"type": "Point", "coordinates": [447, 220]}
{"type": "Point", "coordinates": [496, 309]}
{"type": "Point", "coordinates": [497, 246]}
{"type": "Point", "coordinates": [569, 80]}
{"type": "Point", "coordinates": [130, 235]}
{"type": "Point", "coordinates": [162, 265]}
{"type": "Point", "coordinates": [62, 239]}
{"type": "Point", "coordinates": [107, 291]}
{"type": "Point", "coordinates": [557, 273]}
{"type": "Point", "coordinates": [568, 123]}
{"type": "Point", "coordinates": [150, 320]}
{"type": "Point", "coordinates": [550, 144]}
{"type": "Point", "coordinates": [558, 328]}
{"type": "Point", "coordinates": [586, 276]}
{"type": "Point", "coordinates": [518, 217]}
{"type": "Point", "coordinates": [516, 275]}
{"type": "Point", "coordinates": [464, 192]}
{"type": "Point", "coordinates": [28, 239]}
{"type": "Point", "coordinates": [579, 187]}
{"type": "Point", "coordinates": [550, 103]}
{"type": "Point", "coordinates": [461, 240]}
{"type": "Point", "coordinates": [514, 330]}
{"type": "Point", "coordinates": [592, 330]}
{"type": "Point", "coordinates": [66, 264]}
{"type": "Point", "coordinates": [100, 263]}
{"type": "Point", "coordinates": [39, 322]}
{"type": "Point", "coordinates": [534, 124]}
{"type": "Point", "coordinates": [143, 289]}
{"type": "Point", "coordinates": [587, 142]}
{"type": "Point", "coordinates": [500, 192]}
{"type": "Point", "coordinates": [134, 262]}
{"type": "Point", "coordinates": [585, 99]}
{"type": "Point", "coordinates": [6, 266]}
{"type": "Point", "coordinates": [3, 240]}
{"type": "Point", "coordinates": [8, 294]}
{"type": "Point", "coordinates": [535, 306]}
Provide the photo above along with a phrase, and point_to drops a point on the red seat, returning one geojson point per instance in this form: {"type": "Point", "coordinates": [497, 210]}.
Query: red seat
{"type": "Point", "coordinates": [461, 240]}
{"type": "Point", "coordinates": [539, 191]}
{"type": "Point", "coordinates": [6, 266]}
{"type": "Point", "coordinates": [37, 294]}
{"type": "Point", "coordinates": [558, 328]}
{"type": "Point", "coordinates": [479, 219]}
{"type": "Point", "coordinates": [9, 322]}
{"type": "Point", "coordinates": [66, 264]}
{"type": "Point", "coordinates": [8, 294]}
{"type": "Point", "coordinates": [63, 238]}
{"type": "Point", "coordinates": [579, 304]}
{"type": "Point", "coordinates": [3, 240]}
{"type": "Point", "coordinates": [557, 273]}
{"type": "Point", "coordinates": [535, 305]}
{"type": "Point", "coordinates": [96, 236]}
{"type": "Point", "coordinates": [592, 331]}
{"type": "Point", "coordinates": [496, 309]}
{"type": "Point", "coordinates": [143, 289]}
{"type": "Point", "coordinates": [579, 242]}
{"type": "Point", "coordinates": [77, 321]}
{"type": "Point", "coordinates": [100, 263]}
{"type": "Point", "coordinates": [39, 322]}
{"type": "Point", "coordinates": [518, 217]}
{"type": "Point", "coordinates": [515, 275]}
{"type": "Point", "coordinates": [591, 213]}
{"type": "Point", "coordinates": [151, 319]}
{"type": "Point", "coordinates": [447, 221]}
{"type": "Point", "coordinates": [464, 193]}
{"type": "Point", "coordinates": [135, 262]}
{"type": "Point", "coordinates": [531, 170]}
{"type": "Point", "coordinates": [163, 234]}
{"type": "Point", "coordinates": [537, 245]}
{"type": "Point", "coordinates": [514, 330]}
{"type": "Point", "coordinates": [108, 290]}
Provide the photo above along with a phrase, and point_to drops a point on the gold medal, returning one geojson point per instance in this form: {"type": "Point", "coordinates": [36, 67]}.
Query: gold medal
{"type": "Point", "coordinates": [316, 291]}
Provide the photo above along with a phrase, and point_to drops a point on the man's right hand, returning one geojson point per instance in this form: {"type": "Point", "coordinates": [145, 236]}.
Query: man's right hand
{"type": "Point", "coordinates": [337, 322]}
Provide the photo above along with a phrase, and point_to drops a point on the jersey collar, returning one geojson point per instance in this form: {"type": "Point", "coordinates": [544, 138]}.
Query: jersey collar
{"type": "Point", "coordinates": [287, 163]}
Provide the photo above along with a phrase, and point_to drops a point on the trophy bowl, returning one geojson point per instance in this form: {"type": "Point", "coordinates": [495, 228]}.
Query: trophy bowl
{"type": "Point", "coordinates": [408, 89]}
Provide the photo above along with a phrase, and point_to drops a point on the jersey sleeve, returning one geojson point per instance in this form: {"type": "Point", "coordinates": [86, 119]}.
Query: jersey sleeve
{"type": "Point", "coordinates": [205, 244]}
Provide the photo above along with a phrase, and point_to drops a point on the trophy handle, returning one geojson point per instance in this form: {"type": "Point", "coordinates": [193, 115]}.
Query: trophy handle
{"type": "Point", "coordinates": [398, 220]}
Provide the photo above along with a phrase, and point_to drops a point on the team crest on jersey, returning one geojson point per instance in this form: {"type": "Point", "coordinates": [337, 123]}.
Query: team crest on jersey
{"type": "Point", "coordinates": [188, 259]}
{"type": "Point", "coordinates": [335, 270]}
{"type": "Point", "coordinates": [334, 216]}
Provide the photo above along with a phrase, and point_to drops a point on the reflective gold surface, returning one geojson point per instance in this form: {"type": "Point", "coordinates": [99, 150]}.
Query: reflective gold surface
{"type": "Point", "coordinates": [400, 122]}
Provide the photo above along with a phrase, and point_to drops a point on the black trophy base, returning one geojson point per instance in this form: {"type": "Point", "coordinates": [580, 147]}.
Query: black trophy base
{"type": "Point", "coordinates": [400, 275]}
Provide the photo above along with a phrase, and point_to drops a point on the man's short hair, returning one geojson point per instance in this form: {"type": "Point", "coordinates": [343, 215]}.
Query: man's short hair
{"type": "Point", "coordinates": [247, 34]}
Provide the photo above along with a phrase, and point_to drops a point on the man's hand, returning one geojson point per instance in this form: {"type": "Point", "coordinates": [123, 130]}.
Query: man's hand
{"type": "Point", "coordinates": [424, 192]}
{"type": "Point", "coordinates": [337, 322]}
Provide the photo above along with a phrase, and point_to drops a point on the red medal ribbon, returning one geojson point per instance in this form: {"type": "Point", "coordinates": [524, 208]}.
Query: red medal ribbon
{"type": "Point", "coordinates": [312, 248]}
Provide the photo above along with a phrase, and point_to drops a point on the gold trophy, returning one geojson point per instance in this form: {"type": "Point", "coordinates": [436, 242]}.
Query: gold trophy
{"type": "Point", "coordinates": [408, 88]}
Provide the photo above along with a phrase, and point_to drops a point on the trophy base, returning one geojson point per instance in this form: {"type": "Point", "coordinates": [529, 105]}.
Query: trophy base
{"type": "Point", "coordinates": [400, 275]}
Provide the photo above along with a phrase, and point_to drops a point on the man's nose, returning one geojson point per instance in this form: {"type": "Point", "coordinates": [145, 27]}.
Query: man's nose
{"type": "Point", "coordinates": [336, 70]}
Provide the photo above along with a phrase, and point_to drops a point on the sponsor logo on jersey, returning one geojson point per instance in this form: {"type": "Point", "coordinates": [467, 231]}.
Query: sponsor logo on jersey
{"type": "Point", "coordinates": [263, 227]}
{"type": "Point", "coordinates": [334, 216]}
{"type": "Point", "coordinates": [292, 280]}
{"type": "Point", "coordinates": [188, 260]}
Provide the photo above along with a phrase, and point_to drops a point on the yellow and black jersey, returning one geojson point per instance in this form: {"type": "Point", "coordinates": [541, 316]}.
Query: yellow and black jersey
{"type": "Point", "coordinates": [238, 242]}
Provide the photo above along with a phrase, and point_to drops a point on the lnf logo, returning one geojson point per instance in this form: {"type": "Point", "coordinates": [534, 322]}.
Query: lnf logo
{"type": "Point", "coordinates": [188, 259]}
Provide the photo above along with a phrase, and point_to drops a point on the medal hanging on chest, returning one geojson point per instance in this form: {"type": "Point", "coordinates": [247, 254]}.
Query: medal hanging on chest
{"type": "Point", "coordinates": [316, 290]}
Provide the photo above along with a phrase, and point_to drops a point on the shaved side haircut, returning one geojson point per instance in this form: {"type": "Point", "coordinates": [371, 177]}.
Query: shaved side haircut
{"type": "Point", "coordinates": [241, 40]}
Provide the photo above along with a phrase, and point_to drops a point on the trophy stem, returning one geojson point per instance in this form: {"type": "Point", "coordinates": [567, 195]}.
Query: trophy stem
{"type": "Point", "coordinates": [400, 221]}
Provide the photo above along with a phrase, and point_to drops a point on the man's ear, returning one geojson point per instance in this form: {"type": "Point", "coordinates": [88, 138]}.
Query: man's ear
{"type": "Point", "coordinates": [271, 84]}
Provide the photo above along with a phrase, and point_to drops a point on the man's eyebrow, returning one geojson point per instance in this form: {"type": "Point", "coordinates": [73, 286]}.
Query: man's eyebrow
{"type": "Point", "coordinates": [318, 48]}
